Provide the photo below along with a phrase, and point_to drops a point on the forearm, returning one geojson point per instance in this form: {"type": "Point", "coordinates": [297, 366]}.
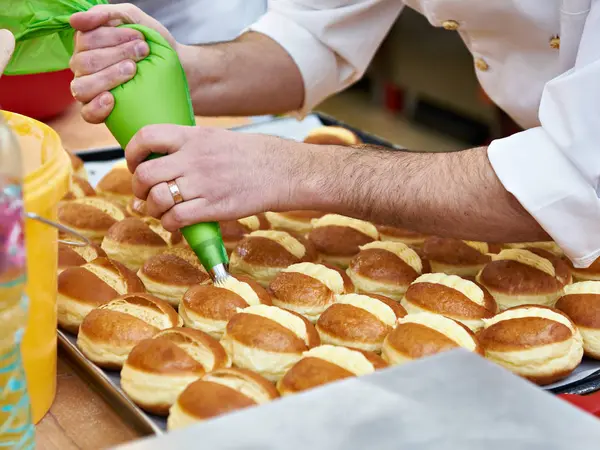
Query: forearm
{"type": "Point", "coordinates": [447, 194]}
{"type": "Point", "coordinates": [252, 75]}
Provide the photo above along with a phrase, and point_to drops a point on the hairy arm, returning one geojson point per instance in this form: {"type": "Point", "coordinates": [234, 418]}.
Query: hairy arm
{"type": "Point", "coordinates": [252, 75]}
{"type": "Point", "coordinates": [447, 194]}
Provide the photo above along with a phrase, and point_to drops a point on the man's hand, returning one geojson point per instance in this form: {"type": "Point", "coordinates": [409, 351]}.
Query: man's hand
{"type": "Point", "coordinates": [224, 175]}
{"type": "Point", "coordinates": [105, 56]}
{"type": "Point", "coordinates": [7, 46]}
{"type": "Point", "coordinates": [221, 174]}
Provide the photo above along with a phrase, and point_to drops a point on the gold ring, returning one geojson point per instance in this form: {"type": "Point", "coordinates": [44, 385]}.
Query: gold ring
{"type": "Point", "coordinates": [175, 192]}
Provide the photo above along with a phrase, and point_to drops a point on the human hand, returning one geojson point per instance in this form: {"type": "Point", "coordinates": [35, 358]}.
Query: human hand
{"type": "Point", "coordinates": [7, 46]}
{"type": "Point", "coordinates": [221, 175]}
{"type": "Point", "coordinates": [105, 56]}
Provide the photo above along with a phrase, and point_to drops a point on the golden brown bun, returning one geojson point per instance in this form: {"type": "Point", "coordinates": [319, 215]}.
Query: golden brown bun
{"type": "Point", "coordinates": [581, 302]}
{"type": "Point", "coordinates": [539, 343]}
{"type": "Point", "coordinates": [116, 185]}
{"type": "Point", "coordinates": [385, 268]}
{"type": "Point", "coordinates": [349, 287]}
{"type": "Point", "coordinates": [456, 257]}
{"type": "Point", "coordinates": [263, 254]}
{"type": "Point", "coordinates": [331, 135]}
{"type": "Point", "coordinates": [90, 216]}
{"type": "Point", "coordinates": [337, 238]}
{"type": "Point", "coordinates": [307, 288]}
{"type": "Point", "coordinates": [209, 308]}
{"type": "Point", "coordinates": [268, 340]}
{"type": "Point", "coordinates": [108, 333]}
{"type": "Point", "coordinates": [451, 296]}
{"type": "Point", "coordinates": [137, 208]}
{"type": "Point", "coordinates": [78, 166]}
{"type": "Point", "coordinates": [158, 370]}
{"type": "Point", "coordinates": [170, 274]}
{"type": "Point", "coordinates": [395, 234]}
{"type": "Point", "coordinates": [424, 334]}
{"type": "Point", "coordinates": [591, 273]}
{"type": "Point", "coordinates": [80, 187]}
{"type": "Point", "coordinates": [358, 321]}
{"type": "Point", "coordinates": [218, 393]}
{"type": "Point", "coordinates": [514, 283]}
{"type": "Point", "coordinates": [233, 231]}
{"type": "Point", "coordinates": [81, 289]}
{"type": "Point", "coordinates": [326, 364]}
{"type": "Point", "coordinates": [73, 256]}
{"type": "Point", "coordinates": [133, 241]}
{"type": "Point", "coordinates": [295, 222]}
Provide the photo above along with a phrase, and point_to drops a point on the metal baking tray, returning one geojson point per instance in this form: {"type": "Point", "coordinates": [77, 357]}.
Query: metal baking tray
{"type": "Point", "coordinates": [108, 382]}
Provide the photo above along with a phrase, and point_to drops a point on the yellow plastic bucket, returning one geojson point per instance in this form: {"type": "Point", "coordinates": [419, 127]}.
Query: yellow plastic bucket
{"type": "Point", "coordinates": [47, 176]}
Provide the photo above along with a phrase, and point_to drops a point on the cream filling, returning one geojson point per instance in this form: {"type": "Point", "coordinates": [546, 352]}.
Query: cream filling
{"type": "Point", "coordinates": [542, 360]}
{"type": "Point", "coordinates": [284, 239]}
{"type": "Point", "coordinates": [212, 327]}
{"type": "Point", "coordinates": [462, 271]}
{"type": "Point", "coordinates": [242, 289]}
{"type": "Point", "coordinates": [473, 324]}
{"type": "Point", "coordinates": [465, 287]}
{"type": "Point", "coordinates": [279, 221]}
{"type": "Point", "coordinates": [284, 318]}
{"type": "Point", "coordinates": [367, 286]}
{"type": "Point", "coordinates": [171, 294]}
{"type": "Point", "coordinates": [350, 360]}
{"type": "Point", "coordinates": [262, 275]}
{"type": "Point", "coordinates": [152, 317]}
{"type": "Point", "coordinates": [481, 247]}
{"type": "Point", "coordinates": [102, 353]}
{"type": "Point", "coordinates": [530, 311]}
{"type": "Point", "coordinates": [371, 305]}
{"type": "Point", "coordinates": [339, 261]}
{"type": "Point", "coordinates": [443, 325]}
{"type": "Point", "coordinates": [528, 258]}
{"type": "Point", "coordinates": [361, 226]}
{"type": "Point", "coordinates": [151, 389]}
{"type": "Point", "coordinates": [591, 340]}
{"type": "Point", "coordinates": [329, 277]}
{"type": "Point", "coordinates": [329, 339]}
{"type": "Point", "coordinates": [179, 419]}
{"type": "Point", "coordinates": [506, 301]}
{"type": "Point", "coordinates": [246, 387]}
{"type": "Point", "coordinates": [549, 246]}
{"type": "Point", "coordinates": [251, 222]}
{"type": "Point", "coordinates": [581, 276]}
{"type": "Point", "coordinates": [270, 365]}
{"type": "Point", "coordinates": [310, 312]}
{"type": "Point", "coordinates": [402, 251]}
{"type": "Point", "coordinates": [584, 287]}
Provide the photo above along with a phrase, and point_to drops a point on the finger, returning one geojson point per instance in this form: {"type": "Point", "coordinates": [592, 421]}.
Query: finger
{"type": "Point", "coordinates": [93, 61]}
{"type": "Point", "coordinates": [99, 108]}
{"type": "Point", "coordinates": [87, 87]}
{"type": "Point", "coordinates": [7, 46]}
{"type": "Point", "coordinates": [105, 37]}
{"type": "Point", "coordinates": [162, 139]}
{"type": "Point", "coordinates": [187, 213]}
{"type": "Point", "coordinates": [156, 171]}
{"type": "Point", "coordinates": [100, 15]}
{"type": "Point", "coordinates": [159, 200]}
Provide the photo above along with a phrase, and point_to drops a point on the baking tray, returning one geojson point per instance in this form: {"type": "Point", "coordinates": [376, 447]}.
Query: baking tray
{"type": "Point", "coordinates": [586, 378]}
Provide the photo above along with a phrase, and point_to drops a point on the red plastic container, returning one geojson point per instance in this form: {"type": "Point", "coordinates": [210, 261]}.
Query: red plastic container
{"type": "Point", "coordinates": [40, 96]}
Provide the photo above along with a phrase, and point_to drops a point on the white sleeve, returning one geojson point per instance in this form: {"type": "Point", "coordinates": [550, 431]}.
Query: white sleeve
{"type": "Point", "coordinates": [554, 170]}
{"type": "Point", "coordinates": [331, 41]}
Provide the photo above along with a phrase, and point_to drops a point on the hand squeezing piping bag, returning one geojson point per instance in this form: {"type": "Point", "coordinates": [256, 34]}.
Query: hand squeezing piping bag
{"type": "Point", "coordinates": [159, 94]}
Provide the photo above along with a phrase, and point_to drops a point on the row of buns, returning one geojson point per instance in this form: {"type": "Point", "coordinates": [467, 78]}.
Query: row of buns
{"type": "Point", "coordinates": [316, 298]}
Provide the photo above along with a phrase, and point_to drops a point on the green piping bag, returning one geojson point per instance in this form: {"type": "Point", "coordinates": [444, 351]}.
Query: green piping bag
{"type": "Point", "coordinates": [159, 94]}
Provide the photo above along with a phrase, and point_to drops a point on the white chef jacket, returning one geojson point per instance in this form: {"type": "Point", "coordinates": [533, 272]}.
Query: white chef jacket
{"type": "Point", "coordinates": [539, 60]}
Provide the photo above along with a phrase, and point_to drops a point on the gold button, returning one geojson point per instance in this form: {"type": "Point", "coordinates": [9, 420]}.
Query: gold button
{"type": "Point", "coordinates": [451, 25]}
{"type": "Point", "coordinates": [481, 64]}
{"type": "Point", "coordinates": [555, 42]}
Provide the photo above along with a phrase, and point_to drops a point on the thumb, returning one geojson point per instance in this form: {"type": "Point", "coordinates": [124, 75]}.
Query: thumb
{"type": "Point", "coordinates": [7, 46]}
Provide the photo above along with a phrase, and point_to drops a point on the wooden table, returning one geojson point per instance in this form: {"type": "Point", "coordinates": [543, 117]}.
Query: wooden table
{"type": "Point", "coordinates": [79, 417]}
